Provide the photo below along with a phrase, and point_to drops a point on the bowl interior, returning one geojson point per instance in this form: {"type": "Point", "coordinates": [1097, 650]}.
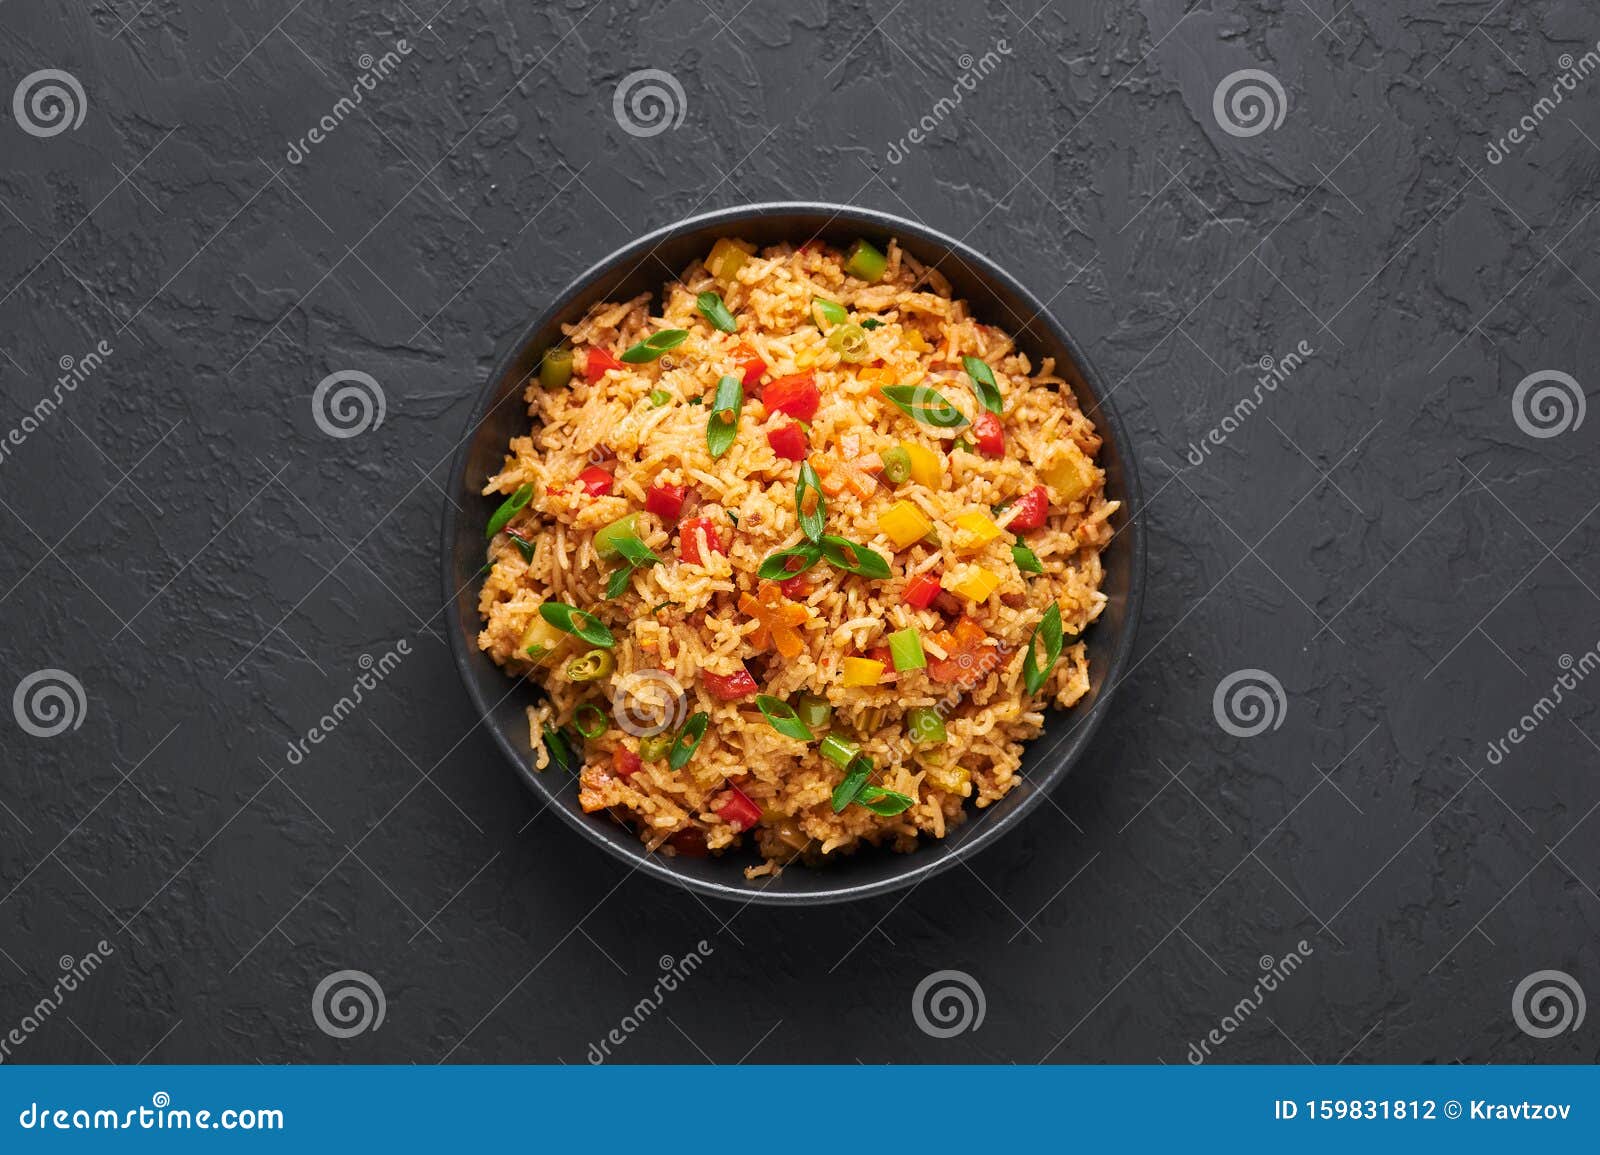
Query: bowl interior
{"type": "Point", "coordinates": [645, 266]}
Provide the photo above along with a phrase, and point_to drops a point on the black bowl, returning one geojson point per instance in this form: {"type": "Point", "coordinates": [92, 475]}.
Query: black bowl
{"type": "Point", "coordinates": [645, 265]}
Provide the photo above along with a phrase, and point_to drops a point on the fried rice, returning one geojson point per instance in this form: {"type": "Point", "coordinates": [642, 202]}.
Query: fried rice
{"type": "Point", "coordinates": [694, 630]}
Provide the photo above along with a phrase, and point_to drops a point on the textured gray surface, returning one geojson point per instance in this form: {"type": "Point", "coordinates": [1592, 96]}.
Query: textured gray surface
{"type": "Point", "coordinates": [1381, 535]}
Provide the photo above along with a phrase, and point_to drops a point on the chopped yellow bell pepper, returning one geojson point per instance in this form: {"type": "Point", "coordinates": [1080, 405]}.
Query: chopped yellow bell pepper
{"type": "Point", "coordinates": [725, 260]}
{"type": "Point", "coordinates": [862, 672]}
{"type": "Point", "coordinates": [950, 779]}
{"type": "Point", "coordinates": [904, 524]}
{"type": "Point", "coordinates": [915, 340]}
{"type": "Point", "coordinates": [1071, 474]}
{"type": "Point", "coordinates": [925, 467]}
{"type": "Point", "coordinates": [974, 531]}
{"type": "Point", "coordinates": [976, 584]}
{"type": "Point", "coordinates": [540, 641]}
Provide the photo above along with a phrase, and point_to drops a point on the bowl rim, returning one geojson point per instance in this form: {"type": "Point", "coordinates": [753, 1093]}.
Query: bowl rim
{"type": "Point", "coordinates": [928, 859]}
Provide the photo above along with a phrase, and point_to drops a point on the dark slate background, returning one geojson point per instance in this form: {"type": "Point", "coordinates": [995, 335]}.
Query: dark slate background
{"type": "Point", "coordinates": [1382, 537]}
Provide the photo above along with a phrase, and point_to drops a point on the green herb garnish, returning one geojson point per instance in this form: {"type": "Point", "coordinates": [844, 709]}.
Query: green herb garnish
{"type": "Point", "coordinates": [928, 406]}
{"type": "Point", "coordinates": [871, 323]}
{"type": "Point", "coordinates": [853, 558]}
{"type": "Point", "coordinates": [885, 802]}
{"type": "Point", "coordinates": [581, 623]}
{"type": "Point", "coordinates": [854, 779]}
{"type": "Point", "coordinates": [782, 718]}
{"type": "Point", "coordinates": [776, 567]}
{"type": "Point", "coordinates": [654, 345]}
{"type": "Point", "coordinates": [659, 397]}
{"type": "Point", "coordinates": [509, 508]}
{"type": "Point", "coordinates": [722, 426]}
{"type": "Point", "coordinates": [524, 547]}
{"type": "Point", "coordinates": [983, 385]}
{"type": "Point", "coordinates": [812, 520]}
{"type": "Point", "coordinates": [688, 740]}
{"type": "Point", "coordinates": [712, 309]}
{"type": "Point", "coordinates": [590, 720]}
{"type": "Point", "coordinates": [1027, 561]}
{"type": "Point", "coordinates": [1034, 675]}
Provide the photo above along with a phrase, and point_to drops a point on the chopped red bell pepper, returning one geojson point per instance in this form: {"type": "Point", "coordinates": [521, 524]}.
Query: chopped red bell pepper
{"type": "Point", "coordinates": [736, 809]}
{"type": "Point", "coordinates": [921, 590]}
{"type": "Point", "coordinates": [963, 645]}
{"type": "Point", "coordinates": [596, 364]}
{"type": "Point", "coordinates": [987, 435]}
{"type": "Point", "coordinates": [690, 842]}
{"type": "Point", "coordinates": [788, 441]}
{"type": "Point", "coordinates": [625, 762]}
{"type": "Point", "coordinates": [797, 395]}
{"type": "Point", "coordinates": [750, 364]}
{"type": "Point", "coordinates": [689, 539]}
{"type": "Point", "coordinates": [665, 501]}
{"type": "Point", "coordinates": [1031, 509]}
{"type": "Point", "coordinates": [730, 687]}
{"type": "Point", "coordinates": [797, 588]}
{"type": "Point", "coordinates": [595, 481]}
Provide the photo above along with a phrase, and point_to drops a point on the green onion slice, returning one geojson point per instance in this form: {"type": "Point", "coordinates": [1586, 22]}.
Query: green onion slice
{"type": "Point", "coordinates": [839, 750]}
{"type": "Point", "coordinates": [885, 802]}
{"type": "Point", "coordinates": [850, 342]}
{"type": "Point", "coordinates": [593, 666]}
{"type": "Point", "coordinates": [853, 558]}
{"type": "Point", "coordinates": [722, 427]}
{"type": "Point", "coordinates": [654, 345]}
{"type": "Point", "coordinates": [855, 777]}
{"type": "Point", "coordinates": [524, 547]}
{"type": "Point", "coordinates": [812, 521]}
{"type": "Point", "coordinates": [509, 508]}
{"type": "Point", "coordinates": [782, 718]}
{"type": "Point", "coordinates": [776, 567]}
{"type": "Point", "coordinates": [580, 623]}
{"type": "Point", "coordinates": [983, 385]}
{"type": "Point", "coordinates": [590, 720]}
{"type": "Point", "coordinates": [617, 583]}
{"type": "Point", "coordinates": [555, 368]}
{"type": "Point", "coordinates": [815, 711]}
{"type": "Point", "coordinates": [558, 746]}
{"type": "Point", "coordinates": [1034, 675]}
{"type": "Point", "coordinates": [1027, 561]}
{"type": "Point", "coordinates": [905, 648]}
{"type": "Point", "coordinates": [925, 726]}
{"type": "Point", "coordinates": [928, 406]}
{"type": "Point", "coordinates": [659, 397]}
{"type": "Point", "coordinates": [827, 314]}
{"type": "Point", "coordinates": [712, 309]}
{"type": "Point", "coordinates": [688, 740]}
{"type": "Point", "coordinates": [864, 260]}
{"type": "Point", "coordinates": [871, 323]}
